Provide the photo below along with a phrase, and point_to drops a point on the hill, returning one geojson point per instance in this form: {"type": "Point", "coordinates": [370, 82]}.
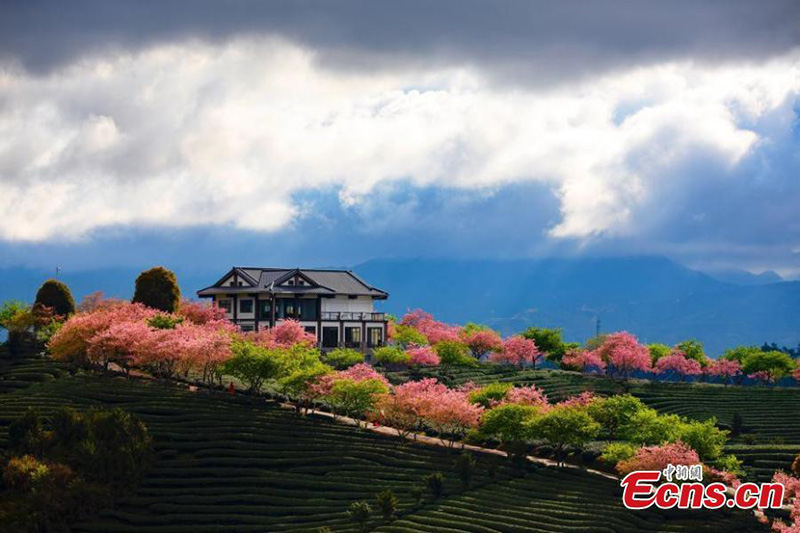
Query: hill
{"type": "Point", "coordinates": [653, 297]}
{"type": "Point", "coordinates": [240, 464]}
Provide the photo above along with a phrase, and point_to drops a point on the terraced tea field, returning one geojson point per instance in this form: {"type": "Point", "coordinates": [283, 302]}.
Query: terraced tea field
{"type": "Point", "coordinates": [771, 415]}
{"type": "Point", "coordinates": [228, 464]}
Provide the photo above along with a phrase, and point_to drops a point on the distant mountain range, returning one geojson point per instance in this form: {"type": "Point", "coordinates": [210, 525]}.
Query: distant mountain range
{"type": "Point", "coordinates": [653, 297]}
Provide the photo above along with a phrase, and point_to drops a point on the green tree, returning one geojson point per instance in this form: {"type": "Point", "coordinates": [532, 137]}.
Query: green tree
{"type": "Point", "coordinates": [406, 335]}
{"type": "Point", "coordinates": [776, 364]}
{"type": "Point", "coordinates": [390, 355]}
{"type": "Point", "coordinates": [360, 513]}
{"type": "Point", "coordinates": [614, 412]}
{"type": "Point", "coordinates": [618, 451]}
{"type": "Point", "coordinates": [387, 503]}
{"type": "Point", "coordinates": [57, 296]}
{"type": "Point", "coordinates": [18, 319]}
{"type": "Point", "coordinates": [354, 398]}
{"type": "Point", "coordinates": [435, 484]}
{"type": "Point", "coordinates": [739, 353]}
{"type": "Point", "coordinates": [158, 288]}
{"type": "Point", "coordinates": [657, 351]}
{"type": "Point", "coordinates": [490, 394]}
{"type": "Point", "coordinates": [254, 365]}
{"type": "Point", "coordinates": [693, 350]}
{"type": "Point", "coordinates": [704, 437]}
{"type": "Point", "coordinates": [454, 353]}
{"type": "Point", "coordinates": [465, 467]}
{"type": "Point", "coordinates": [564, 427]}
{"type": "Point", "coordinates": [646, 426]}
{"type": "Point", "coordinates": [549, 341]}
{"type": "Point", "coordinates": [343, 358]}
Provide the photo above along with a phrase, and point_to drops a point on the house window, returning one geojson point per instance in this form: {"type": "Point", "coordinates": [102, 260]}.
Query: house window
{"type": "Point", "coordinates": [311, 329]}
{"type": "Point", "coordinates": [224, 304]}
{"type": "Point", "coordinates": [245, 306]}
{"type": "Point", "coordinates": [291, 282]}
{"type": "Point", "coordinates": [240, 283]}
{"type": "Point", "coordinates": [307, 309]}
{"type": "Point", "coordinates": [247, 327]}
{"type": "Point", "coordinates": [264, 310]}
{"type": "Point", "coordinates": [330, 337]}
{"type": "Point", "coordinates": [374, 337]}
{"type": "Point", "coordinates": [352, 337]}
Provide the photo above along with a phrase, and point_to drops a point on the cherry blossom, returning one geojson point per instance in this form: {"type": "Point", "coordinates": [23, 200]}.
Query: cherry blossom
{"type": "Point", "coordinates": [433, 330]}
{"type": "Point", "coordinates": [585, 361]}
{"type": "Point", "coordinates": [723, 368]}
{"type": "Point", "coordinates": [422, 355]}
{"type": "Point", "coordinates": [517, 350]}
{"type": "Point", "coordinates": [658, 457]}
{"type": "Point", "coordinates": [677, 363]}
{"type": "Point", "coordinates": [481, 342]}
{"type": "Point", "coordinates": [623, 354]}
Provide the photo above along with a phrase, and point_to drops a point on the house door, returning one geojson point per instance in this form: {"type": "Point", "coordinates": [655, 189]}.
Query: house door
{"type": "Point", "coordinates": [330, 337]}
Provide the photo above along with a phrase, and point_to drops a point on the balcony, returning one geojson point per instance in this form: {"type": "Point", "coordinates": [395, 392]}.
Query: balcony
{"type": "Point", "coordinates": [353, 316]}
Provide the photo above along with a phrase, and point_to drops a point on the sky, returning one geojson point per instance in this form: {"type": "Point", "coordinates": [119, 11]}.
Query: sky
{"type": "Point", "coordinates": [333, 132]}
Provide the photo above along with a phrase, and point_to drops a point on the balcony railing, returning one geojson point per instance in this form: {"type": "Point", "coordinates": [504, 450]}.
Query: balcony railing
{"type": "Point", "coordinates": [354, 316]}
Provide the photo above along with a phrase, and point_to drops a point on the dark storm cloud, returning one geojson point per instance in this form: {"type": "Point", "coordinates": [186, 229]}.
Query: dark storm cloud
{"type": "Point", "coordinates": [534, 41]}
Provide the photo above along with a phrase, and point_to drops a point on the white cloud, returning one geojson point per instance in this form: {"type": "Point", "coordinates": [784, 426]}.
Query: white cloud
{"type": "Point", "coordinates": [193, 134]}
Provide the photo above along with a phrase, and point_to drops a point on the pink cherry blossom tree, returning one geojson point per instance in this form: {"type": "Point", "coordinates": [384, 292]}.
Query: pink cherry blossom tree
{"type": "Point", "coordinates": [422, 355]}
{"type": "Point", "coordinates": [200, 312]}
{"type": "Point", "coordinates": [728, 370]}
{"type": "Point", "coordinates": [623, 354]}
{"type": "Point", "coordinates": [283, 335]}
{"type": "Point", "coordinates": [481, 342]}
{"type": "Point", "coordinates": [451, 414]}
{"type": "Point", "coordinates": [677, 363]}
{"type": "Point", "coordinates": [584, 361]}
{"type": "Point", "coordinates": [658, 457]}
{"type": "Point", "coordinates": [432, 329]}
{"type": "Point", "coordinates": [517, 350]}
{"type": "Point", "coordinates": [531, 395]}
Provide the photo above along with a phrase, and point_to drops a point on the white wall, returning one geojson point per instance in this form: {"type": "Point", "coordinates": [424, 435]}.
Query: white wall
{"type": "Point", "coordinates": [362, 304]}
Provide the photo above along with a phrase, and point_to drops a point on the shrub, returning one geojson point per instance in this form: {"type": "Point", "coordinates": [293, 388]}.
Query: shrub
{"type": "Point", "coordinates": [387, 503]}
{"type": "Point", "coordinates": [391, 355]}
{"type": "Point", "coordinates": [614, 412]}
{"type": "Point", "coordinates": [343, 357]}
{"type": "Point", "coordinates": [26, 434]}
{"type": "Point", "coordinates": [693, 349]}
{"type": "Point", "coordinates": [506, 423]}
{"type": "Point", "coordinates": [729, 463]}
{"type": "Point", "coordinates": [704, 438]}
{"type": "Point", "coordinates": [254, 365]}
{"type": "Point", "coordinates": [164, 321]}
{"type": "Point", "coordinates": [360, 513]}
{"type": "Point", "coordinates": [454, 353]}
{"type": "Point", "coordinates": [405, 335]}
{"type": "Point", "coordinates": [57, 296]}
{"type": "Point", "coordinates": [563, 427]}
{"type": "Point", "coordinates": [435, 484]}
{"type": "Point", "coordinates": [646, 426]}
{"type": "Point", "coordinates": [490, 395]}
{"type": "Point", "coordinates": [18, 319]}
{"type": "Point", "coordinates": [158, 288]}
{"type": "Point", "coordinates": [465, 466]}
{"type": "Point", "coordinates": [615, 452]}
{"type": "Point", "coordinates": [657, 351]}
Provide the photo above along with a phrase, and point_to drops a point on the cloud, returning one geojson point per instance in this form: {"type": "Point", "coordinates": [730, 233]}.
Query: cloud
{"type": "Point", "coordinates": [192, 134]}
{"type": "Point", "coordinates": [519, 41]}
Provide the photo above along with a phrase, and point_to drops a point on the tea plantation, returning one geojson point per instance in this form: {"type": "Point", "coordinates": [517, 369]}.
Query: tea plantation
{"type": "Point", "coordinates": [771, 416]}
{"type": "Point", "coordinates": [232, 463]}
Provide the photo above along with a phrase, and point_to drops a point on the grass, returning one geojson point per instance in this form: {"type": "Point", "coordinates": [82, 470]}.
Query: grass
{"type": "Point", "coordinates": [234, 464]}
{"type": "Point", "coordinates": [771, 415]}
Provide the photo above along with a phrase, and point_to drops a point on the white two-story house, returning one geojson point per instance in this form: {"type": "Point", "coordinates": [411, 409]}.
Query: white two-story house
{"type": "Point", "coordinates": [335, 305]}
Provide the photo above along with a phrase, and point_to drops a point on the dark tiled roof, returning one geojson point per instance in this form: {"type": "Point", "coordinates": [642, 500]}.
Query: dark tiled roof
{"type": "Point", "coordinates": [323, 281]}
